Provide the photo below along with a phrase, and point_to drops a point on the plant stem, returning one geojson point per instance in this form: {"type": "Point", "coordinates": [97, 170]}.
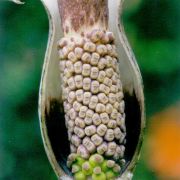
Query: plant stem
{"type": "Point", "coordinates": [81, 16]}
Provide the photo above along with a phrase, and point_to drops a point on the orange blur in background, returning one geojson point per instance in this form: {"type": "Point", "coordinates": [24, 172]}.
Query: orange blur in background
{"type": "Point", "coordinates": [163, 146]}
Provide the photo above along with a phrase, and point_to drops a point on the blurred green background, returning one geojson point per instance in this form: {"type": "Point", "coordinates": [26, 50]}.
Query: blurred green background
{"type": "Point", "coordinates": [153, 30]}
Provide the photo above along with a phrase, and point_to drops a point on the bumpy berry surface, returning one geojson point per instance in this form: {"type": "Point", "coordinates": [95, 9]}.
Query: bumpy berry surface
{"type": "Point", "coordinates": [93, 104]}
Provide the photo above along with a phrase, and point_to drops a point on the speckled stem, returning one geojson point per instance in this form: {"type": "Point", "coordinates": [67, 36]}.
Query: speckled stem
{"type": "Point", "coordinates": [78, 16]}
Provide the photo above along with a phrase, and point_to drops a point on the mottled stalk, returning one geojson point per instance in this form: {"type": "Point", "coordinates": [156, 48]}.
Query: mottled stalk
{"type": "Point", "coordinates": [82, 16]}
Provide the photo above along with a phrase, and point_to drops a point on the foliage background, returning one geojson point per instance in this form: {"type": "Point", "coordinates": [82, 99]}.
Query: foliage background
{"type": "Point", "coordinates": [153, 29]}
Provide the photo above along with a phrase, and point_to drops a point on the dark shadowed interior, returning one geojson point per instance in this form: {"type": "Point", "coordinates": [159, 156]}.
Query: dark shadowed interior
{"type": "Point", "coordinates": [133, 125]}
{"type": "Point", "coordinates": [57, 133]}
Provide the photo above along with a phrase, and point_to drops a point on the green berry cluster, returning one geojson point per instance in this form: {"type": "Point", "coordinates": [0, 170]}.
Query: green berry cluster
{"type": "Point", "coordinates": [95, 167]}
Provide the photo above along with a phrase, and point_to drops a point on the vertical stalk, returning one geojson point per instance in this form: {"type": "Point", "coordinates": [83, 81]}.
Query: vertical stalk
{"type": "Point", "coordinates": [80, 16]}
{"type": "Point", "coordinates": [92, 90]}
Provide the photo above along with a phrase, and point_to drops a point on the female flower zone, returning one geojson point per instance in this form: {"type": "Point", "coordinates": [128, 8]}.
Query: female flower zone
{"type": "Point", "coordinates": [92, 91]}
